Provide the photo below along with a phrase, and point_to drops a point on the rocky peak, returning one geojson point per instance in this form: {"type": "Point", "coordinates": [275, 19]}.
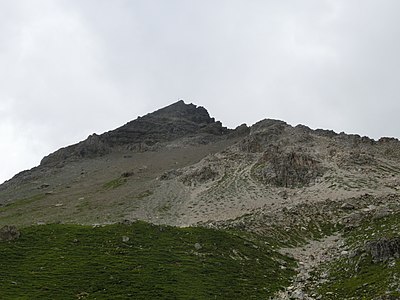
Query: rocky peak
{"type": "Point", "coordinates": [174, 121]}
{"type": "Point", "coordinates": [181, 110]}
{"type": "Point", "coordinates": [166, 124]}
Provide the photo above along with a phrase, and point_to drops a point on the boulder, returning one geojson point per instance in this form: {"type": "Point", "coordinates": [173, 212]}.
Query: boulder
{"type": "Point", "coordinates": [201, 175]}
{"type": "Point", "coordinates": [381, 212]}
{"type": "Point", "coordinates": [9, 233]}
{"type": "Point", "coordinates": [347, 206]}
{"type": "Point", "coordinates": [384, 249]}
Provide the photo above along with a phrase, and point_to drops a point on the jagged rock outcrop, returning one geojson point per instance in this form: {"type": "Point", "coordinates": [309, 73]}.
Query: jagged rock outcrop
{"type": "Point", "coordinates": [282, 168]}
{"type": "Point", "coordinates": [93, 146]}
{"type": "Point", "coordinates": [384, 249]}
{"type": "Point", "coordinates": [241, 131]}
{"type": "Point", "coordinates": [358, 158]}
{"type": "Point", "coordinates": [174, 121]}
{"type": "Point", "coordinates": [263, 134]}
{"type": "Point", "coordinates": [199, 176]}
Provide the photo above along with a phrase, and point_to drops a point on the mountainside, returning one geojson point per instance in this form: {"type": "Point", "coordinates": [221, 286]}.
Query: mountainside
{"type": "Point", "coordinates": [178, 166]}
{"type": "Point", "coordinates": [306, 193]}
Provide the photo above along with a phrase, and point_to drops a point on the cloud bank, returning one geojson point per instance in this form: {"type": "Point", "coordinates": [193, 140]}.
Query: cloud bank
{"type": "Point", "coordinates": [71, 68]}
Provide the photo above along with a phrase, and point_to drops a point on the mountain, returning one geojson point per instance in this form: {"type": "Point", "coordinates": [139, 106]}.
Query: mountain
{"type": "Point", "coordinates": [313, 195]}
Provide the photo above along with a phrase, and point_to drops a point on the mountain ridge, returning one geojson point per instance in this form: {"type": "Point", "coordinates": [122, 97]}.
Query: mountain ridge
{"type": "Point", "coordinates": [100, 144]}
{"type": "Point", "coordinates": [180, 158]}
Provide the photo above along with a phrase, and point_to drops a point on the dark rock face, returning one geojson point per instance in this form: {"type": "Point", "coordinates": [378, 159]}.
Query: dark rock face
{"type": "Point", "coordinates": [269, 127]}
{"type": "Point", "coordinates": [384, 249]}
{"type": "Point", "coordinates": [171, 122]}
{"type": "Point", "coordinates": [357, 159]}
{"type": "Point", "coordinates": [200, 176]}
{"type": "Point", "coordinates": [263, 134]}
{"type": "Point", "coordinates": [241, 130]}
{"type": "Point", "coordinates": [93, 146]}
{"type": "Point", "coordinates": [9, 233]}
{"type": "Point", "coordinates": [170, 174]}
{"type": "Point", "coordinates": [174, 121]}
{"type": "Point", "coordinates": [287, 169]}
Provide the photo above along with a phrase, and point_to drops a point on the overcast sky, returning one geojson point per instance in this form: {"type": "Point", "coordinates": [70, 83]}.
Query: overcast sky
{"type": "Point", "coordinates": [71, 68]}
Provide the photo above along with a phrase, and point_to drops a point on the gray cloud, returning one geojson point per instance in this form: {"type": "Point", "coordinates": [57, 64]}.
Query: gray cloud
{"type": "Point", "coordinates": [70, 68]}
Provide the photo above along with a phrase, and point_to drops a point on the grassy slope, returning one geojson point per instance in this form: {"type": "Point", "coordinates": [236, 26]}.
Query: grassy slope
{"type": "Point", "coordinates": [158, 262]}
{"type": "Point", "coordinates": [359, 277]}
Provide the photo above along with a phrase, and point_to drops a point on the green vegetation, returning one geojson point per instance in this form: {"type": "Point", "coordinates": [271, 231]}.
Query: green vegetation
{"type": "Point", "coordinates": [113, 184]}
{"type": "Point", "coordinates": [17, 209]}
{"type": "Point", "coordinates": [296, 236]}
{"type": "Point", "coordinates": [21, 202]}
{"type": "Point", "coordinates": [138, 261]}
{"type": "Point", "coordinates": [359, 277]}
{"type": "Point", "coordinates": [299, 229]}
